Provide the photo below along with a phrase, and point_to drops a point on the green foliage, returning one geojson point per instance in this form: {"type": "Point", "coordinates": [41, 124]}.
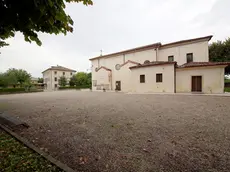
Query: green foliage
{"type": "Point", "coordinates": [75, 87]}
{"type": "Point", "coordinates": [73, 80]}
{"type": "Point", "coordinates": [40, 80]}
{"type": "Point", "coordinates": [31, 17]}
{"type": "Point", "coordinates": [18, 76]}
{"type": "Point", "coordinates": [14, 77]}
{"type": "Point", "coordinates": [83, 78]}
{"type": "Point", "coordinates": [220, 52]}
{"type": "Point", "coordinates": [227, 89]}
{"type": "Point", "coordinates": [227, 80]}
{"type": "Point", "coordinates": [62, 81]}
{"type": "Point", "coordinates": [80, 79]}
{"type": "Point", "coordinates": [17, 157]}
{"type": "Point", "coordinates": [12, 90]}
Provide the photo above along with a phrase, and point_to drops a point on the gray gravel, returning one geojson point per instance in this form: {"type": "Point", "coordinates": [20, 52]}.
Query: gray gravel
{"type": "Point", "coordinates": [96, 131]}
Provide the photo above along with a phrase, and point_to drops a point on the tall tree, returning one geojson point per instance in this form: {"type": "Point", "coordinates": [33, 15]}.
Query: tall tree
{"type": "Point", "coordinates": [33, 16]}
{"type": "Point", "coordinates": [62, 81]}
{"type": "Point", "coordinates": [220, 52]}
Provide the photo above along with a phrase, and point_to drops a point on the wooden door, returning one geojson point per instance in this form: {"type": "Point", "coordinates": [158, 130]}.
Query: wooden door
{"type": "Point", "coordinates": [118, 85]}
{"type": "Point", "coordinates": [196, 83]}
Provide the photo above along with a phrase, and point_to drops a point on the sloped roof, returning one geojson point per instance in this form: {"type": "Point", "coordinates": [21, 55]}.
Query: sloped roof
{"type": "Point", "coordinates": [203, 64]}
{"type": "Point", "coordinates": [60, 68]}
{"type": "Point", "coordinates": [103, 67]}
{"type": "Point", "coordinates": [130, 61]}
{"type": "Point", "coordinates": [155, 45]}
{"type": "Point", "coordinates": [154, 63]}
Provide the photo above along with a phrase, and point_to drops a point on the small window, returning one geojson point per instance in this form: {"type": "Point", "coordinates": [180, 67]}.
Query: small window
{"type": "Point", "coordinates": [55, 72]}
{"type": "Point", "coordinates": [94, 83]}
{"type": "Point", "coordinates": [55, 85]}
{"type": "Point", "coordinates": [159, 77]}
{"type": "Point", "coordinates": [71, 73]}
{"type": "Point", "coordinates": [142, 78]}
{"type": "Point", "coordinates": [63, 73]}
{"type": "Point", "coordinates": [189, 57]}
{"type": "Point", "coordinates": [170, 58]}
{"type": "Point", "coordinates": [55, 79]}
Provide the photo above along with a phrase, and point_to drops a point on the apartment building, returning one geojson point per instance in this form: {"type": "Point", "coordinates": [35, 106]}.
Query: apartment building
{"type": "Point", "coordinates": [53, 74]}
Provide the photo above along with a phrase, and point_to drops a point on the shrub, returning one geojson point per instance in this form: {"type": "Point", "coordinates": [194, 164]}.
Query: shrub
{"type": "Point", "coordinates": [76, 87]}
{"type": "Point", "coordinates": [12, 90]}
{"type": "Point", "coordinates": [17, 90]}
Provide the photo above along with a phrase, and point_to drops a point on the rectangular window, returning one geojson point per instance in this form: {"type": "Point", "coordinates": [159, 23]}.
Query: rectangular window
{"type": "Point", "coordinates": [159, 77]}
{"type": "Point", "coordinates": [63, 73]}
{"type": "Point", "coordinates": [142, 78]}
{"type": "Point", "coordinates": [55, 85]}
{"type": "Point", "coordinates": [170, 58]}
{"type": "Point", "coordinates": [55, 72]}
{"type": "Point", "coordinates": [189, 57]}
{"type": "Point", "coordinates": [71, 73]}
{"type": "Point", "coordinates": [94, 83]}
{"type": "Point", "coordinates": [55, 79]}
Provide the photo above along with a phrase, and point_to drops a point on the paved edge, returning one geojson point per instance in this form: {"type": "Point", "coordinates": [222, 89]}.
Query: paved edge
{"type": "Point", "coordinates": [37, 150]}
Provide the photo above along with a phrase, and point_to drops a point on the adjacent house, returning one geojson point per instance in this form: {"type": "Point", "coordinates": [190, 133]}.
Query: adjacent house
{"type": "Point", "coordinates": [177, 67]}
{"type": "Point", "coordinates": [53, 74]}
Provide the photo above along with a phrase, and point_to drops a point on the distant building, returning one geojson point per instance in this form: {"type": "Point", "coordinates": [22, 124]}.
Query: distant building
{"type": "Point", "coordinates": [178, 67]}
{"type": "Point", "coordinates": [34, 80]}
{"type": "Point", "coordinates": [53, 74]}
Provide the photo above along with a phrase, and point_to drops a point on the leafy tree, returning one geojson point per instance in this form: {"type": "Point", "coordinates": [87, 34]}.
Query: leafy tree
{"type": "Point", "coordinates": [220, 52]}
{"type": "Point", "coordinates": [3, 80]}
{"type": "Point", "coordinates": [17, 76]}
{"type": "Point", "coordinates": [33, 16]}
{"type": "Point", "coordinates": [40, 80]}
{"type": "Point", "coordinates": [82, 78]}
{"type": "Point", "coordinates": [73, 81]}
{"type": "Point", "coordinates": [62, 81]}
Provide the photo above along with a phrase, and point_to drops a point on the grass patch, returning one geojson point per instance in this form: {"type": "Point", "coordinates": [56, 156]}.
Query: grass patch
{"type": "Point", "coordinates": [15, 156]}
{"type": "Point", "coordinates": [227, 89]}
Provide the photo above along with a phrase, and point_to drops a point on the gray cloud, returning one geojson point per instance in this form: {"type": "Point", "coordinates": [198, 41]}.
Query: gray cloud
{"type": "Point", "coordinates": [116, 25]}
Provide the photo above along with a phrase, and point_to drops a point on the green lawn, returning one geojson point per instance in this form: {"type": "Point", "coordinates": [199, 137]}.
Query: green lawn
{"type": "Point", "coordinates": [14, 156]}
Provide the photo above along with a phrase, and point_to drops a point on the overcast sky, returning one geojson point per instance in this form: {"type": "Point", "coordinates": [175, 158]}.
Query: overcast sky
{"type": "Point", "coordinates": [114, 25]}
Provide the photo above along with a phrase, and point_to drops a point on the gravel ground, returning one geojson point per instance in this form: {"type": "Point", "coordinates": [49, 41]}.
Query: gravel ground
{"type": "Point", "coordinates": [96, 131]}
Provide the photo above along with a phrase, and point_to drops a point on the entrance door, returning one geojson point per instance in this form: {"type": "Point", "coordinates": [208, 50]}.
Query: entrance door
{"type": "Point", "coordinates": [196, 83]}
{"type": "Point", "coordinates": [118, 85]}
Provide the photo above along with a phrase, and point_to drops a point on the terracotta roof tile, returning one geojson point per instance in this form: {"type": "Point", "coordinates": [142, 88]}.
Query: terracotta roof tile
{"type": "Point", "coordinates": [155, 45]}
{"type": "Point", "coordinates": [129, 61]}
{"type": "Point", "coordinates": [103, 67]}
{"type": "Point", "coordinates": [202, 64]}
{"type": "Point", "coordinates": [154, 63]}
{"type": "Point", "coordinates": [61, 68]}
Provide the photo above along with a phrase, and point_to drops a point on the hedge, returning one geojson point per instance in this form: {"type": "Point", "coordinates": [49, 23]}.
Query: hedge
{"type": "Point", "coordinates": [75, 87]}
{"type": "Point", "coordinates": [11, 90]}
{"type": "Point", "coordinates": [17, 90]}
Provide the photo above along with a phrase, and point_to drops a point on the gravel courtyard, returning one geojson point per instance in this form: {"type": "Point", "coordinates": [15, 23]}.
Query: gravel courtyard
{"type": "Point", "coordinates": [96, 131]}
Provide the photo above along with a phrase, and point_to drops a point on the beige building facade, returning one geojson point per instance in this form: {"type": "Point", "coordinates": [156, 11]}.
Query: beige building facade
{"type": "Point", "coordinates": [53, 74]}
{"type": "Point", "coordinates": [178, 67]}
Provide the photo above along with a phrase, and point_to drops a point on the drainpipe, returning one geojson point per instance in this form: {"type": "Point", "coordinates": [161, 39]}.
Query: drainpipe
{"type": "Point", "coordinates": [156, 54]}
